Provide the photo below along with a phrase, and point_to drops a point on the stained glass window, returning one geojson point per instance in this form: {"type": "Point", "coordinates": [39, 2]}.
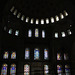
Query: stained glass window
{"type": "Point", "coordinates": [13, 69]}
{"type": "Point", "coordinates": [26, 53]}
{"type": "Point", "coordinates": [36, 33]}
{"type": "Point", "coordinates": [4, 69]}
{"type": "Point", "coordinates": [43, 34]}
{"type": "Point", "coordinates": [46, 69]}
{"type": "Point", "coordinates": [66, 56]}
{"type": "Point", "coordinates": [59, 69]}
{"type": "Point", "coordinates": [59, 57]}
{"type": "Point", "coordinates": [45, 54]}
{"type": "Point", "coordinates": [67, 68]}
{"type": "Point", "coordinates": [26, 69]}
{"type": "Point", "coordinates": [6, 55]}
{"type": "Point", "coordinates": [13, 55]}
{"type": "Point", "coordinates": [29, 33]}
{"type": "Point", "coordinates": [36, 54]}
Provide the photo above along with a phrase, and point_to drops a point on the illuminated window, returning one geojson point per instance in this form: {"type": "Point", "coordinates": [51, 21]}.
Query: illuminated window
{"type": "Point", "coordinates": [52, 20]}
{"type": "Point", "coordinates": [61, 16]}
{"type": "Point", "coordinates": [29, 33]}
{"type": "Point", "coordinates": [45, 54]}
{"type": "Point", "coordinates": [43, 34]}
{"type": "Point", "coordinates": [13, 55]}
{"type": "Point", "coordinates": [12, 9]}
{"type": "Point", "coordinates": [17, 33]}
{"type": "Point", "coordinates": [59, 69]}
{"type": "Point", "coordinates": [67, 69]}
{"type": "Point", "coordinates": [26, 53]}
{"type": "Point", "coordinates": [10, 31]}
{"type": "Point", "coordinates": [13, 69]}
{"type": "Point", "coordinates": [42, 21]}
{"type": "Point", "coordinates": [57, 18]}
{"type": "Point", "coordinates": [32, 21]}
{"type": "Point", "coordinates": [66, 14]}
{"type": "Point", "coordinates": [56, 35]}
{"type": "Point", "coordinates": [15, 12]}
{"type": "Point", "coordinates": [22, 18]}
{"type": "Point", "coordinates": [4, 69]}
{"type": "Point", "coordinates": [27, 19]}
{"type": "Point", "coordinates": [59, 57]}
{"type": "Point", "coordinates": [46, 69]}
{"type": "Point", "coordinates": [63, 34]}
{"type": "Point", "coordinates": [26, 69]}
{"type": "Point", "coordinates": [66, 56]}
{"type": "Point", "coordinates": [36, 33]}
{"type": "Point", "coordinates": [47, 21]}
{"type": "Point", "coordinates": [37, 21]}
{"type": "Point", "coordinates": [36, 54]}
{"type": "Point", "coordinates": [69, 32]}
{"type": "Point", "coordinates": [6, 55]}
{"type": "Point", "coordinates": [19, 14]}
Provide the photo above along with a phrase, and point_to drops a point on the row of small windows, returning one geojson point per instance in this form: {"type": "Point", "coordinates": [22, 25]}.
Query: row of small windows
{"type": "Point", "coordinates": [60, 57]}
{"type": "Point", "coordinates": [27, 54]}
{"type": "Point", "coordinates": [29, 32]}
{"type": "Point", "coordinates": [42, 21]}
{"type": "Point", "coordinates": [27, 69]}
{"type": "Point", "coordinates": [6, 55]}
{"type": "Point", "coordinates": [36, 33]}
{"type": "Point", "coordinates": [12, 69]}
{"type": "Point", "coordinates": [60, 70]}
{"type": "Point", "coordinates": [63, 34]}
{"type": "Point", "coordinates": [36, 54]}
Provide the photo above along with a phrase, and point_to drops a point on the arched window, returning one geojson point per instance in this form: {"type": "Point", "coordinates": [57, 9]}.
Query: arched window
{"type": "Point", "coordinates": [52, 20]}
{"type": "Point", "coordinates": [36, 54]}
{"type": "Point", "coordinates": [66, 56]}
{"type": "Point", "coordinates": [13, 69]}
{"type": "Point", "coordinates": [59, 57]}
{"type": "Point", "coordinates": [59, 69]}
{"type": "Point", "coordinates": [6, 55]}
{"type": "Point", "coordinates": [13, 55]}
{"type": "Point", "coordinates": [43, 34]}
{"type": "Point", "coordinates": [4, 69]}
{"type": "Point", "coordinates": [36, 33]}
{"type": "Point", "coordinates": [57, 18]}
{"type": "Point", "coordinates": [27, 53]}
{"type": "Point", "coordinates": [63, 34]}
{"type": "Point", "coordinates": [29, 33]}
{"type": "Point", "coordinates": [16, 32]}
{"type": "Point", "coordinates": [56, 35]}
{"type": "Point", "coordinates": [46, 69]}
{"type": "Point", "coordinates": [10, 31]}
{"type": "Point", "coordinates": [26, 69]}
{"type": "Point", "coordinates": [67, 69]}
{"type": "Point", "coordinates": [45, 54]}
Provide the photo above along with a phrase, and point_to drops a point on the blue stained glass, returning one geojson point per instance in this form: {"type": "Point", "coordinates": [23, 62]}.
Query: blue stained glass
{"type": "Point", "coordinates": [13, 69]}
{"type": "Point", "coordinates": [36, 54]}
{"type": "Point", "coordinates": [4, 69]}
{"type": "Point", "coordinates": [45, 54]}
